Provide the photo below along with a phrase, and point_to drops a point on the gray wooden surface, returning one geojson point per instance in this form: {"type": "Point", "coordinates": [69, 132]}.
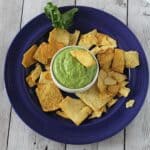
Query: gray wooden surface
{"type": "Point", "coordinates": [14, 134]}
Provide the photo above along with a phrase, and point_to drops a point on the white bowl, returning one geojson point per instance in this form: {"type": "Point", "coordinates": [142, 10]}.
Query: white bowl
{"type": "Point", "coordinates": [70, 90]}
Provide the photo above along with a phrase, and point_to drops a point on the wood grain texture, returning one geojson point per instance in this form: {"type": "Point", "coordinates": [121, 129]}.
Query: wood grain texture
{"type": "Point", "coordinates": [138, 132]}
{"type": "Point", "coordinates": [21, 137]}
{"type": "Point", "coordinates": [117, 8]}
{"type": "Point", "coordinates": [9, 25]}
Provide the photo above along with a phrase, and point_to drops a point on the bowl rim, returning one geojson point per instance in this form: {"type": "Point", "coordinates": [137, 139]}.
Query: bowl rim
{"type": "Point", "coordinates": [73, 90]}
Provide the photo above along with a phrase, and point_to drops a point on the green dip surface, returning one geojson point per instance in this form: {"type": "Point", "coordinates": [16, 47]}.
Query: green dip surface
{"type": "Point", "coordinates": [69, 72]}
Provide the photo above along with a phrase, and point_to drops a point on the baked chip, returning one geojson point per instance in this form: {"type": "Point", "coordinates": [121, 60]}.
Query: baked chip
{"type": "Point", "coordinates": [93, 98]}
{"type": "Point", "coordinates": [98, 114]}
{"type": "Point", "coordinates": [109, 81]}
{"type": "Point", "coordinates": [131, 59]}
{"type": "Point", "coordinates": [75, 109]}
{"type": "Point", "coordinates": [118, 63]}
{"type": "Point", "coordinates": [45, 77]}
{"type": "Point", "coordinates": [33, 76]}
{"type": "Point", "coordinates": [105, 40]}
{"type": "Point", "coordinates": [100, 84]}
{"type": "Point", "coordinates": [28, 60]}
{"type": "Point", "coordinates": [42, 53]}
{"type": "Point", "coordinates": [113, 89]}
{"type": "Point", "coordinates": [74, 37]}
{"type": "Point", "coordinates": [117, 76]}
{"type": "Point", "coordinates": [84, 57]}
{"type": "Point", "coordinates": [58, 35]}
{"type": "Point", "coordinates": [61, 114]}
{"type": "Point", "coordinates": [89, 39]}
{"type": "Point", "coordinates": [112, 102]}
{"type": "Point", "coordinates": [130, 103]}
{"type": "Point", "coordinates": [105, 59]}
{"type": "Point", "coordinates": [124, 91]}
{"type": "Point", "coordinates": [49, 96]}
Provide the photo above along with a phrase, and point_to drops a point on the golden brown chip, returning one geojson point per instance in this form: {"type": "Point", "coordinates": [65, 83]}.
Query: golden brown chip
{"type": "Point", "coordinates": [100, 84]}
{"type": "Point", "coordinates": [113, 89]}
{"type": "Point", "coordinates": [42, 53]}
{"type": "Point", "coordinates": [74, 37]}
{"type": "Point", "coordinates": [89, 39]}
{"type": "Point", "coordinates": [61, 114]}
{"type": "Point", "coordinates": [49, 96]}
{"type": "Point", "coordinates": [45, 77]}
{"type": "Point", "coordinates": [118, 63]}
{"type": "Point", "coordinates": [131, 59]}
{"type": "Point", "coordinates": [105, 40]}
{"type": "Point", "coordinates": [117, 76]}
{"type": "Point", "coordinates": [112, 102]}
{"type": "Point", "coordinates": [84, 57]}
{"type": "Point", "coordinates": [33, 76]}
{"type": "Point", "coordinates": [75, 109]}
{"type": "Point", "coordinates": [58, 35]}
{"type": "Point", "coordinates": [123, 83]}
{"type": "Point", "coordinates": [109, 81]}
{"type": "Point", "coordinates": [93, 98]}
{"type": "Point", "coordinates": [105, 59]}
{"type": "Point", "coordinates": [28, 60]}
{"type": "Point", "coordinates": [130, 103]}
{"type": "Point", "coordinates": [47, 67]}
{"type": "Point", "coordinates": [98, 114]}
{"type": "Point", "coordinates": [124, 91]}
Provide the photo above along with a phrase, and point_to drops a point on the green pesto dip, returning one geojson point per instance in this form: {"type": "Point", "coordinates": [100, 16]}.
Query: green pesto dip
{"type": "Point", "coordinates": [69, 72]}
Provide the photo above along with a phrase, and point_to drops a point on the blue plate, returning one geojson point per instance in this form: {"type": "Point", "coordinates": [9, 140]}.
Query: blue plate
{"type": "Point", "coordinates": [51, 126]}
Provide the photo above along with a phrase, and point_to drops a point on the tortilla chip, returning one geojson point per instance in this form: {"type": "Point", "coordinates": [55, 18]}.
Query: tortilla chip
{"type": "Point", "coordinates": [105, 40]}
{"type": "Point", "coordinates": [124, 91]}
{"type": "Point", "coordinates": [132, 59]}
{"type": "Point", "coordinates": [84, 57]}
{"type": "Point", "coordinates": [100, 84]}
{"type": "Point", "coordinates": [113, 89]}
{"type": "Point", "coordinates": [118, 63]}
{"type": "Point", "coordinates": [93, 98]}
{"type": "Point", "coordinates": [123, 83]}
{"type": "Point", "coordinates": [89, 39]}
{"type": "Point", "coordinates": [130, 103]}
{"type": "Point", "coordinates": [49, 96]}
{"type": "Point", "coordinates": [61, 114]}
{"type": "Point", "coordinates": [28, 60]}
{"type": "Point", "coordinates": [45, 77]}
{"type": "Point", "coordinates": [74, 37]}
{"type": "Point", "coordinates": [58, 35]}
{"type": "Point", "coordinates": [105, 59]}
{"type": "Point", "coordinates": [75, 109]}
{"type": "Point", "coordinates": [109, 81]}
{"type": "Point", "coordinates": [112, 102]}
{"type": "Point", "coordinates": [42, 53]}
{"type": "Point", "coordinates": [98, 114]}
{"type": "Point", "coordinates": [33, 76]}
{"type": "Point", "coordinates": [117, 76]}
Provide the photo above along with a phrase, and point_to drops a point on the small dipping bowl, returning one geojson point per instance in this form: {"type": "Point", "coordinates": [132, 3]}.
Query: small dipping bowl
{"type": "Point", "coordinates": [71, 90]}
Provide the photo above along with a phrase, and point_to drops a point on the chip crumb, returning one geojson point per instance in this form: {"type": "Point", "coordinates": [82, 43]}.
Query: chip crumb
{"type": "Point", "coordinates": [130, 103]}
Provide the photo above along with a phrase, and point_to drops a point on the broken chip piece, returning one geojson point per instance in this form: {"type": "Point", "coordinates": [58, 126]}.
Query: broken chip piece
{"type": "Point", "coordinates": [75, 109]}
{"type": "Point", "coordinates": [84, 57]}
{"type": "Point", "coordinates": [130, 103]}
{"type": "Point", "coordinates": [33, 76]}
{"type": "Point", "coordinates": [28, 59]}
{"type": "Point", "coordinates": [131, 59]}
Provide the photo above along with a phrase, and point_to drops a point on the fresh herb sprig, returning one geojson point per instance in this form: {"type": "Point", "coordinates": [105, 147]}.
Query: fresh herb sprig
{"type": "Point", "coordinates": [59, 20]}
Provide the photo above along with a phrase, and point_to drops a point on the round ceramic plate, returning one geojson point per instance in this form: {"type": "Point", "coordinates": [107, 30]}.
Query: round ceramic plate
{"type": "Point", "coordinates": [51, 126]}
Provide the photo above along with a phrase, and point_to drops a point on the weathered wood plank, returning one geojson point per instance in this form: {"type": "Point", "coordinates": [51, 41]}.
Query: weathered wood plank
{"type": "Point", "coordinates": [117, 8]}
{"type": "Point", "coordinates": [138, 132]}
{"type": "Point", "coordinates": [9, 25]}
{"type": "Point", "coordinates": [22, 137]}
